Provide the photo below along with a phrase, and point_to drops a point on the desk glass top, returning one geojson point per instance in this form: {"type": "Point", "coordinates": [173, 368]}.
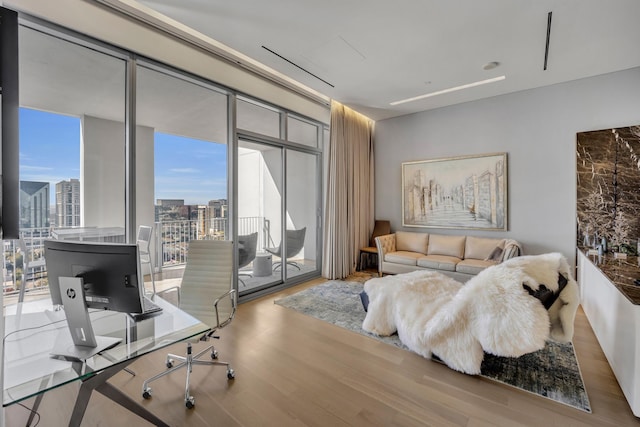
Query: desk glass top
{"type": "Point", "coordinates": [32, 328]}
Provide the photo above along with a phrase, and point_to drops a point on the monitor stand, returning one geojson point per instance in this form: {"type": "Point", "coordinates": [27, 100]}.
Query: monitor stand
{"type": "Point", "coordinates": [83, 343]}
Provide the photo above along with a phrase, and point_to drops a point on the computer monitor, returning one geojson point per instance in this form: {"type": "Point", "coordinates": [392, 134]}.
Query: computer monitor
{"type": "Point", "coordinates": [85, 275]}
{"type": "Point", "coordinates": [110, 273]}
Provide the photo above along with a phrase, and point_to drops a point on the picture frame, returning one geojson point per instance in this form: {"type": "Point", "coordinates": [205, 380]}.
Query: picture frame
{"type": "Point", "coordinates": [466, 192]}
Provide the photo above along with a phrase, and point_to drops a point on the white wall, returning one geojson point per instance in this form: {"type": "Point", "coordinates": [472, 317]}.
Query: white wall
{"type": "Point", "coordinates": [537, 128]}
{"type": "Point", "coordinates": [260, 192]}
{"type": "Point", "coordinates": [302, 187]}
{"type": "Point", "coordinates": [145, 184]}
{"type": "Point", "coordinates": [103, 177]}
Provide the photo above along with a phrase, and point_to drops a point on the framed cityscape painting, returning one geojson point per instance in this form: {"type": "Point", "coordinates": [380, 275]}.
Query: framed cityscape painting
{"type": "Point", "coordinates": [468, 192]}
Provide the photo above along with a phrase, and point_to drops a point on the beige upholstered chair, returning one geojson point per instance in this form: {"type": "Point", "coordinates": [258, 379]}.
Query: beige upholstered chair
{"type": "Point", "coordinates": [207, 294]}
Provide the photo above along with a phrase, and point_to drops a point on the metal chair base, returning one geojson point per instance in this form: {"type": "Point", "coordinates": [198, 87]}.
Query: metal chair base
{"type": "Point", "coordinates": [187, 362]}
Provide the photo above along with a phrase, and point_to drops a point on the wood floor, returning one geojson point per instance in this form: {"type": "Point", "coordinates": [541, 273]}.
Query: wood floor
{"type": "Point", "coordinates": [293, 370]}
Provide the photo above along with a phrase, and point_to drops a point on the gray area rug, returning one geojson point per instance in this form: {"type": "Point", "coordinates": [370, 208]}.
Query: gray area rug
{"type": "Point", "coordinates": [552, 372]}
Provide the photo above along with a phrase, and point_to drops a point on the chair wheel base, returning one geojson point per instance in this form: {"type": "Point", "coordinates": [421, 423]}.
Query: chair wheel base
{"type": "Point", "coordinates": [190, 402]}
{"type": "Point", "coordinates": [146, 393]}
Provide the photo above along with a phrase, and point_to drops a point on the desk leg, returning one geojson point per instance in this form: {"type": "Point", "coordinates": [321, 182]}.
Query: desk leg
{"type": "Point", "coordinates": [36, 403]}
{"type": "Point", "coordinates": [99, 383]}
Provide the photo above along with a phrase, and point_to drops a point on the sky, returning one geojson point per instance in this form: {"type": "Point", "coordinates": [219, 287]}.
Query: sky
{"type": "Point", "coordinates": [185, 168]}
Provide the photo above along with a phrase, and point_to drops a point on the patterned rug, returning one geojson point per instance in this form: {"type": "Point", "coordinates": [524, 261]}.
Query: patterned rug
{"type": "Point", "coordinates": [552, 372]}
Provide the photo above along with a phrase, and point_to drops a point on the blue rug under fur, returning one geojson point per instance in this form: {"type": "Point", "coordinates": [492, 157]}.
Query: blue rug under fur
{"type": "Point", "coordinates": [552, 372]}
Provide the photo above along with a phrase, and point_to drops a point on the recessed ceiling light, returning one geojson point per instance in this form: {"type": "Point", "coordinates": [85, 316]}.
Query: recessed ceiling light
{"type": "Point", "coordinates": [490, 65]}
{"type": "Point", "coordinates": [452, 89]}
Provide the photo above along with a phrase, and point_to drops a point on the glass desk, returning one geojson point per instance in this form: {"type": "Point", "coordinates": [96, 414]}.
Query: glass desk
{"type": "Point", "coordinates": [32, 328]}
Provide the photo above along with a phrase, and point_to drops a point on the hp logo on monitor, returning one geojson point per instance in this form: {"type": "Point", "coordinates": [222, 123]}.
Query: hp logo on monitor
{"type": "Point", "coordinates": [71, 293]}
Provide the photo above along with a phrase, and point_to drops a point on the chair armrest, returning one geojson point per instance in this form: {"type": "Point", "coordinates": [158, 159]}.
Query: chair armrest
{"type": "Point", "coordinates": [171, 289]}
{"type": "Point", "coordinates": [234, 305]}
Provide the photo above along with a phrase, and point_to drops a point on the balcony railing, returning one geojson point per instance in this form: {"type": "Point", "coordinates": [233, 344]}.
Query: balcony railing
{"type": "Point", "coordinates": [170, 248]}
{"type": "Point", "coordinates": [17, 255]}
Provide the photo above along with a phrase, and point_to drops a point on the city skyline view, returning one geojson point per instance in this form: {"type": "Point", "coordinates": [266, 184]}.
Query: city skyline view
{"type": "Point", "coordinates": [184, 168]}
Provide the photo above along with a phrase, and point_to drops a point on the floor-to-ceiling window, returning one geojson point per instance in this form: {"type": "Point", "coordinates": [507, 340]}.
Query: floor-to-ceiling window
{"type": "Point", "coordinates": [95, 118]}
{"type": "Point", "coordinates": [181, 163]}
{"type": "Point", "coordinates": [72, 151]}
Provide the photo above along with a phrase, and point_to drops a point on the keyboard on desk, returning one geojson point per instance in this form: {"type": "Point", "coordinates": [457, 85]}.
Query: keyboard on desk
{"type": "Point", "coordinates": [148, 308]}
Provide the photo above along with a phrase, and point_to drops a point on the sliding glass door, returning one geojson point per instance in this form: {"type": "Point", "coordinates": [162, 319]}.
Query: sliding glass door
{"type": "Point", "coordinates": [260, 196]}
{"type": "Point", "coordinates": [302, 212]}
{"type": "Point", "coordinates": [278, 207]}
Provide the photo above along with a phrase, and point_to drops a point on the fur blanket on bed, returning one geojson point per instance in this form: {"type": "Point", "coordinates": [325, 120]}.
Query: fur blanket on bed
{"type": "Point", "coordinates": [499, 311]}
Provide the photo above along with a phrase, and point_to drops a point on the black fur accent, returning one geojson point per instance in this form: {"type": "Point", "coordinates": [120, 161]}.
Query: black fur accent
{"type": "Point", "coordinates": [365, 300]}
{"type": "Point", "coordinates": [546, 296]}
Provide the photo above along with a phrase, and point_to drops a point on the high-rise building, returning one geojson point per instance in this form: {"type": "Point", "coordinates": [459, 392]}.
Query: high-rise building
{"type": "Point", "coordinates": [215, 218]}
{"type": "Point", "coordinates": [34, 204]}
{"type": "Point", "coordinates": [219, 208]}
{"type": "Point", "coordinates": [169, 203]}
{"type": "Point", "coordinates": [68, 203]}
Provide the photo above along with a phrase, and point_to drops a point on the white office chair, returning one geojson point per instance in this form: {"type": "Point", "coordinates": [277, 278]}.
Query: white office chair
{"type": "Point", "coordinates": [144, 242]}
{"type": "Point", "coordinates": [207, 294]}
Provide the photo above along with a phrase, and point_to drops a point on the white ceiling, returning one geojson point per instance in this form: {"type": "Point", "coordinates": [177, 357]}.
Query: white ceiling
{"type": "Point", "coordinates": [378, 51]}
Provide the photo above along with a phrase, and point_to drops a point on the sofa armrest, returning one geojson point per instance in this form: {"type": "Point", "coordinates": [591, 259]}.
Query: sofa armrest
{"type": "Point", "coordinates": [386, 244]}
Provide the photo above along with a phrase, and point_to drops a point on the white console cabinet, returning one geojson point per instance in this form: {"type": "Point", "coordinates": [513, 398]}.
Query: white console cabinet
{"type": "Point", "coordinates": [615, 319]}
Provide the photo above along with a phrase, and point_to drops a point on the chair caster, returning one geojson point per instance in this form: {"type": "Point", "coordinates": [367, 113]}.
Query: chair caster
{"type": "Point", "coordinates": [214, 354]}
{"type": "Point", "coordinates": [169, 364]}
{"type": "Point", "coordinates": [190, 402]}
{"type": "Point", "coordinates": [146, 393]}
{"type": "Point", "coordinates": [231, 374]}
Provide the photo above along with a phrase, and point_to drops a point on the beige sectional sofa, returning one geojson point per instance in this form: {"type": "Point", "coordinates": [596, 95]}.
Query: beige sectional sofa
{"type": "Point", "coordinates": [460, 257]}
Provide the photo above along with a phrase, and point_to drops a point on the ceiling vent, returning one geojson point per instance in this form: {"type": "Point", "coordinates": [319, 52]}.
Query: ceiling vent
{"type": "Point", "coordinates": [297, 66]}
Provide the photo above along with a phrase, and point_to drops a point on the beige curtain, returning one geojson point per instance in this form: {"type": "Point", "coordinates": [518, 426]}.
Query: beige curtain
{"type": "Point", "coordinates": [349, 215]}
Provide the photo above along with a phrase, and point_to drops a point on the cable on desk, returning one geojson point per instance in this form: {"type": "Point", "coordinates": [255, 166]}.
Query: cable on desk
{"type": "Point", "coordinates": [4, 339]}
{"type": "Point", "coordinates": [35, 413]}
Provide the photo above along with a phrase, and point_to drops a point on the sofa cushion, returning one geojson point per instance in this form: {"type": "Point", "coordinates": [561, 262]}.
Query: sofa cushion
{"type": "Point", "coordinates": [452, 246]}
{"type": "Point", "coordinates": [481, 247]}
{"type": "Point", "coordinates": [411, 242]}
{"type": "Point", "coordinates": [403, 257]}
{"type": "Point", "coordinates": [473, 266]}
{"type": "Point", "coordinates": [439, 262]}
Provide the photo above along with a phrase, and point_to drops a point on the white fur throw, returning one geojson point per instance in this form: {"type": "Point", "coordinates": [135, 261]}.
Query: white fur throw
{"type": "Point", "coordinates": [492, 312]}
